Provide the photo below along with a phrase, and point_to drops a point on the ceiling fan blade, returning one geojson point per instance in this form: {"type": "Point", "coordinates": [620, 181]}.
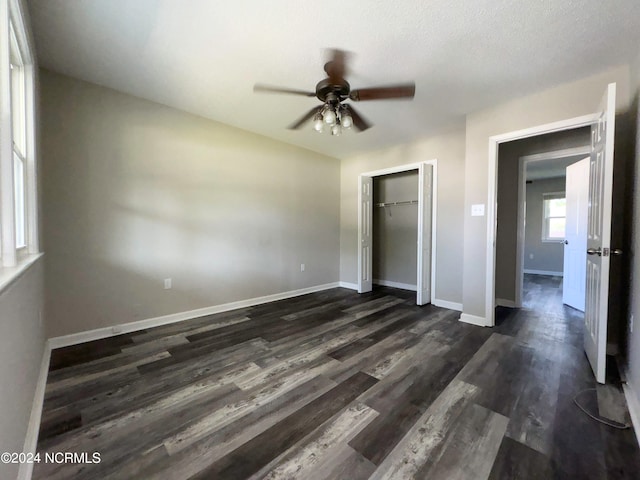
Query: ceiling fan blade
{"type": "Point", "coordinates": [406, 90]}
{"type": "Point", "coordinates": [358, 121]}
{"type": "Point", "coordinates": [336, 66]}
{"type": "Point", "coordinates": [305, 118]}
{"type": "Point", "coordinates": [270, 89]}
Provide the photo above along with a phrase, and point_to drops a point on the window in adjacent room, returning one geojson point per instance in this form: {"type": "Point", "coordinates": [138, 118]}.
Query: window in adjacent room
{"type": "Point", "coordinates": [554, 210]}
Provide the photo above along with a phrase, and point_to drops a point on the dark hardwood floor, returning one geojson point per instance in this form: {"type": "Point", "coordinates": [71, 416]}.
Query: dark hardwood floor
{"type": "Point", "coordinates": [336, 385]}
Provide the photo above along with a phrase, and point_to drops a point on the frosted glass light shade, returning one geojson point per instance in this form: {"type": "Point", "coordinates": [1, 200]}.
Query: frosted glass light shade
{"type": "Point", "coordinates": [330, 117]}
{"type": "Point", "coordinates": [346, 121]}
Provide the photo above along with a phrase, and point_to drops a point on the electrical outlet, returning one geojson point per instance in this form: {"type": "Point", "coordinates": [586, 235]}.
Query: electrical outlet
{"type": "Point", "coordinates": [302, 267]}
{"type": "Point", "coordinates": [167, 283]}
{"type": "Point", "coordinates": [531, 256]}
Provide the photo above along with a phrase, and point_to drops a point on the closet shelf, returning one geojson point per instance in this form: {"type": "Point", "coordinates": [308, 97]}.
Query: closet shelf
{"type": "Point", "coordinates": [393, 204]}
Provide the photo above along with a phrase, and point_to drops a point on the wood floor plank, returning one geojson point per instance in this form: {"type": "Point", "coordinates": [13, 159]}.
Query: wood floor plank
{"type": "Point", "coordinates": [262, 449]}
{"type": "Point", "coordinates": [427, 434]}
{"type": "Point", "coordinates": [193, 325]}
{"type": "Point", "coordinates": [408, 392]}
{"type": "Point", "coordinates": [517, 461]}
{"type": "Point", "coordinates": [385, 432]}
{"type": "Point", "coordinates": [388, 346]}
{"type": "Point", "coordinates": [612, 404]}
{"type": "Point", "coordinates": [400, 321]}
{"type": "Point", "coordinates": [471, 447]}
{"type": "Point", "coordinates": [348, 464]}
{"type": "Point", "coordinates": [222, 441]}
{"type": "Point", "coordinates": [84, 378]}
{"type": "Point", "coordinates": [578, 448]}
{"type": "Point", "coordinates": [149, 390]}
{"type": "Point", "coordinates": [401, 404]}
{"type": "Point", "coordinates": [321, 447]}
{"type": "Point", "coordinates": [212, 356]}
{"type": "Point", "coordinates": [86, 352]}
{"type": "Point", "coordinates": [63, 397]}
{"type": "Point", "coordinates": [261, 395]}
{"type": "Point", "coordinates": [129, 435]}
{"type": "Point", "coordinates": [324, 342]}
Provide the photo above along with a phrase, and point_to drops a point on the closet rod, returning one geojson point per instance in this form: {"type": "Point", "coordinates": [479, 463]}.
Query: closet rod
{"type": "Point", "coordinates": [391, 204]}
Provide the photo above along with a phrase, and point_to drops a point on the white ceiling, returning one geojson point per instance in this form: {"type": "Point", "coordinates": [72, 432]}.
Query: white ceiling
{"type": "Point", "coordinates": [552, 168]}
{"type": "Point", "coordinates": [204, 56]}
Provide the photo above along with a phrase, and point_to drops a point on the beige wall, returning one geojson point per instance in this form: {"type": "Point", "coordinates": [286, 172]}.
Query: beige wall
{"type": "Point", "coordinates": [395, 229]}
{"type": "Point", "coordinates": [448, 149]}
{"type": "Point", "coordinates": [565, 101]}
{"type": "Point", "coordinates": [633, 343]}
{"type": "Point", "coordinates": [136, 192]}
{"type": "Point", "coordinates": [21, 347]}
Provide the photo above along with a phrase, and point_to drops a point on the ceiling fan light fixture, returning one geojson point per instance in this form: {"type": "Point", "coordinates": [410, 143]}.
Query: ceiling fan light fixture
{"type": "Point", "coordinates": [330, 116]}
{"type": "Point", "coordinates": [345, 119]}
{"type": "Point", "coordinates": [318, 123]}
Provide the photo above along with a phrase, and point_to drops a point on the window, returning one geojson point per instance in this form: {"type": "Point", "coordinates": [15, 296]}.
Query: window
{"type": "Point", "coordinates": [18, 222]}
{"type": "Point", "coordinates": [554, 208]}
{"type": "Point", "coordinates": [19, 133]}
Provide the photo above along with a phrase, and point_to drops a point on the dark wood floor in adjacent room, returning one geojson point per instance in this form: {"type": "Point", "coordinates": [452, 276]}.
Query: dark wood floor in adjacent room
{"type": "Point", "coordinates": [336, 385]}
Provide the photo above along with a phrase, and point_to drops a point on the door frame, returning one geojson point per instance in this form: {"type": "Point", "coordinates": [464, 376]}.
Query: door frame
{"type": "Point", "coordinates": [419, 166]}
{"type": "Point", "coordinates": [522, 188]}
{"type": "Point", "coordinates": [492, 195]}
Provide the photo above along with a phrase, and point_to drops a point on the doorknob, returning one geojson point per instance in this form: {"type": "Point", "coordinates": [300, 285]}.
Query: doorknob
{"type": "Point", "coordinates": [566, 242]}
{"type": "Point", "coordinates": [616, 251]}
{"type": "Point", "coordinates": [594, 251]}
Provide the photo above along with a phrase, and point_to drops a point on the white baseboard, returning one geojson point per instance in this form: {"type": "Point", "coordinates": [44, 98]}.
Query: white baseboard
{"type": "Point", "coordinates": [543, 272]}
{"type": "Point", "coordinates": [473, 320]}
{"type": "Point", "coordinates": [351, 286]}
{"type": "Point", "coordinates": [447, 304]}
{"type": "Point", "coordinates": [633, 403]}
{"type": "Point", "coordinates": [31, 439]}
{"type": "Point", "coordinates": [502, 302]}
{"type": "Point", "coordinates": [389, 283]}
{"type": "Point", "coordinates": [105, 332]}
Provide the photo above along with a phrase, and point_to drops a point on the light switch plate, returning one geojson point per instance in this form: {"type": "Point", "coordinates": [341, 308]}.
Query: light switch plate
{"type": "Point", "coordinates": [477, 210]}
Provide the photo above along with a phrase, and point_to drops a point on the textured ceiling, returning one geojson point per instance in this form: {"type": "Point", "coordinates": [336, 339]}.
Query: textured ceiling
{"type": "Point", "coordinates": [553, 168]}
{"type": "Point", "coordinates": [204, 56]}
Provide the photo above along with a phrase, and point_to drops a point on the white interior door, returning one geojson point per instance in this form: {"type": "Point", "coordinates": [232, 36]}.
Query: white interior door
{"type": "Point", "coordinates": [365, 221]}
{"type": "Point", "coordinates": [575, 243]}
{"type": "Point", "coordinates": [599, 234]}
{"type": "Point", "coordinates": [425, 202]}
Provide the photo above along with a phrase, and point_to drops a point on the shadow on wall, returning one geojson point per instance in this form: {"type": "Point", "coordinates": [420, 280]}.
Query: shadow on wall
{"type": "Point", "coordinates": [621, 273]}
{"type": "Point", "coordinates": [142, 192]}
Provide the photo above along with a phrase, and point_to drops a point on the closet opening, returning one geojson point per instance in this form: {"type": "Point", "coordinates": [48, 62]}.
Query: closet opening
{"type": "Point", "coordinates": [396, 229]}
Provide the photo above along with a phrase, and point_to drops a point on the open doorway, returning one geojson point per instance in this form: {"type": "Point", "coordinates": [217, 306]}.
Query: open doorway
{"type": "Point", "coordinates": [531, 218]}
{"type": "Point", "coordinates": [552, 219]}
{"type": "Point", "coordinates": [552, 271]}
{"type": "Point", "coordinates": [599, 225]}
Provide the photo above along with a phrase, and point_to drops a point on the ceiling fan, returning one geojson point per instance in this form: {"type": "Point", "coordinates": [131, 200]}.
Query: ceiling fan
{"type": "Point", "coordinates": [333, 91]}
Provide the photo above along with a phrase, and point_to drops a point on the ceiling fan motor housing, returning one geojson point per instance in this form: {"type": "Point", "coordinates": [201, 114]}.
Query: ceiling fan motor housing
{"type": "Point", "coordinates": [328, 91]}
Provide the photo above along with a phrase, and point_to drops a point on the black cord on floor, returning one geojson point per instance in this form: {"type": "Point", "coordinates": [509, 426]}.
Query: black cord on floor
{"type": "Point", "coordinates": [610, 423]}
